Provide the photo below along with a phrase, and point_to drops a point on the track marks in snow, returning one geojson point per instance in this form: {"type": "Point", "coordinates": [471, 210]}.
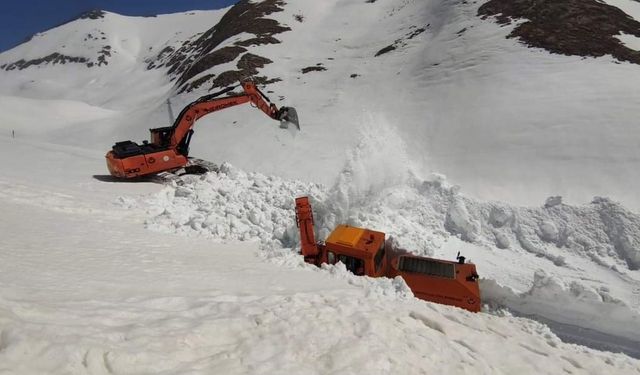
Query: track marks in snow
{"type": "Point", "coordinates": [427, 322]}
{"type": "Point", "coordinates": [533, 350]}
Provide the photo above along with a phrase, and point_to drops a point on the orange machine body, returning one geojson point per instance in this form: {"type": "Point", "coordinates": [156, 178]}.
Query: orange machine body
{"type": "Point", "coordinates": [169, 146]}
{"type": "Point", "coordinates": [365, 252]}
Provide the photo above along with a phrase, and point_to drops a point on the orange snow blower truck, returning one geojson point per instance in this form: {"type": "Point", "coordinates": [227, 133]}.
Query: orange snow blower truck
{"type": "Point", "coordinates": [364, 253]}
{"type": "Point", "coordinates": [169, 146]}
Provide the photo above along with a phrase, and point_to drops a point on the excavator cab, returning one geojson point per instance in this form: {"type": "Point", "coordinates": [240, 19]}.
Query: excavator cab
{"type": "Point", "coordinates": [161, 137]}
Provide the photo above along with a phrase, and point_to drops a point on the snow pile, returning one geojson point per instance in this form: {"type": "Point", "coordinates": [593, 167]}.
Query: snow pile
{"type": "Point", "coordinates": [419, 215]}
{"type": "Point", "coordinates": [231, 205]}
{"type": "Point", "coordinates": [582, 306]}
{"type": "Point", "coordinates": [588, 245]}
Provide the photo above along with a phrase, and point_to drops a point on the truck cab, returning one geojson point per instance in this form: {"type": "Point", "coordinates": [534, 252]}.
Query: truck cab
{"type": "Point", "coordinates": [364, 253]}
{"type": "Point", "coordinates": [361, 250]}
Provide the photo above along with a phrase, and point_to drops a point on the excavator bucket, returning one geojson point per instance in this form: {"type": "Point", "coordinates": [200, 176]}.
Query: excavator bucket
{"type": "Point", "coordinates": [288, 118]}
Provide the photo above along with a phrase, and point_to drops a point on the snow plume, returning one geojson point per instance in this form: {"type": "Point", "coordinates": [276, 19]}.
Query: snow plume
{"type": "Point", "coordinates": [378, 162]}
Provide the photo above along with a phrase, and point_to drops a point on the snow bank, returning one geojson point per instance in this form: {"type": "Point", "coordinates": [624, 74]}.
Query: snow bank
{"type": "Point", "coordinates": [581, 306]}
{"type": "Point", "coordinates": [235, 205]}
{"type": "Point", "coordinates": [231, 205]}
{"type": "Point", "coordinates": [421, 216]}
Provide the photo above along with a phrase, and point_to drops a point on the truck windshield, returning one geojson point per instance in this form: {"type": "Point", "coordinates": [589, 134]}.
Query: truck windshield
{"type": "Point", "coordinates": [355, 265]}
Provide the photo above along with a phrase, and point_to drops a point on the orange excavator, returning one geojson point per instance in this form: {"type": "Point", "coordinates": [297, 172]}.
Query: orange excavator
{"type": "Point", "coordinates": [169, 147]}
{"type": "Point", "coordinates": [364, 252]}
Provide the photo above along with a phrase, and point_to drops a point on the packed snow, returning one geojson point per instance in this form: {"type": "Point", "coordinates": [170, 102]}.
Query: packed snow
{"type": "Point", "coordinates": [457, 140]}
{"type": "Point", "coordinates": [90, 291]}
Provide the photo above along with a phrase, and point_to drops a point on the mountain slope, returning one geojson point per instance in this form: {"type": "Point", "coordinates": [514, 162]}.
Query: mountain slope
{"type": "Point", "coordinates": [505, 121]}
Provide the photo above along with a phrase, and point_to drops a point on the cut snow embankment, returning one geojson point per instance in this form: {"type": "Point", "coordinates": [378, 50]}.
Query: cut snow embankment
{"type": "Point", "coordinates": [91, 291]}
{"type": "Point", "coordinates": [591, 253]}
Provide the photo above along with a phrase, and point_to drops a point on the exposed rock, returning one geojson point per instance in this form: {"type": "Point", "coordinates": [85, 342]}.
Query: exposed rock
{"type": "Point", "coordinates": [102, 56]}
{"type": "Point", "coordinates": [267, 39]}
{"type": "Point", "coordinates": [197, 83]}
{"type": "Point", "coordinates": [317, 68]}
{"type": "Point", "coordinates": [568, 27]}
{"type": "Point", "coordinates": [417, 32]}
{"type": "Point", "coordinates": [92, 14]}
{"type": "Point", "coordinates": [217, 57]}
{"type": "Point", "coordinates": [402, 41]}
{"type": "Point", "coordinates": [162, 55]}
{"type": "Point", "coordinates": [54, 58]}
{"type": "Point", "coordinates": [250, 63]}
{"type": "Point", "coordinates": [198, 55]}
{"type": "Point", "coordinates": [386, 49]}
{"type": "Point", "coordinates": [248, 66]}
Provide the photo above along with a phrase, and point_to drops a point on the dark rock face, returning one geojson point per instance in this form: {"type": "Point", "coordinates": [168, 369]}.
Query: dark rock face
{"type": "Point", "coordinates": [386, 49]}
{"type": "Point", "coordinates": [248, 66]}
{"type": "Point", "coordinates": [313, 69]}
{"type": "Point", "coordinates": [92, 14]}
{"type": "Point", "coordinates": [217, 57]}
{"type": "Point", "coordinates": [103, 54]}
{"type": "Point", "coordinates": [54, 58]}
{"type": "Point", "coordinates": [415, 31]}
{"type": "Point", "coordinates": [567, 27]}
{"type": "Point", "coordinates": [199, 55]}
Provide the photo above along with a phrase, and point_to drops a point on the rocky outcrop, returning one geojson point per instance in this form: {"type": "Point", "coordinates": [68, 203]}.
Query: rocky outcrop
{"type": "Point", "coordinates": [187, 63]}
{"type": "Point", "coordinates": [568, 27]}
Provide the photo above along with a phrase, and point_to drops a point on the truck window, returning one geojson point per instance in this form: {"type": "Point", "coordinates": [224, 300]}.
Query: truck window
{"type": "Point", "coordinates": [379, 257]}
{"type": "Point", "coordinates": [427, 266]}
{"type": "Point", "coordinates": [355, 265]}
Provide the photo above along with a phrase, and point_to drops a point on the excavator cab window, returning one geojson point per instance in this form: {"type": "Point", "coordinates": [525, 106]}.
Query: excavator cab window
{"type": "Point", "coordinates": [161, 137]}
{"type": "Point", "coordinates": [355, 265]}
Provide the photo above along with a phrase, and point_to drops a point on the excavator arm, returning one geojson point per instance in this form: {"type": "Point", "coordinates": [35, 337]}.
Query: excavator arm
{"type": "Point", "coordinates": [210, 103]}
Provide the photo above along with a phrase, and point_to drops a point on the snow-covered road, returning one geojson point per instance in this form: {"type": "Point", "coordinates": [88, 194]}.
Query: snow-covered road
{"type": "Point", "coordinates": [86, 289]}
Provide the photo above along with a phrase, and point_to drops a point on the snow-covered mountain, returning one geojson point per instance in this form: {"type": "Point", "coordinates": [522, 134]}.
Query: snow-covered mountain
{"type": "Point", "coordinates": [533, 123]}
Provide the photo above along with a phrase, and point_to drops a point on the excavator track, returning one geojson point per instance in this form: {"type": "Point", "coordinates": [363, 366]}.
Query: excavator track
{"type": "Point", "coordinates": [195, 166]}
{"type": "Point", "coordinates": [205, 165]}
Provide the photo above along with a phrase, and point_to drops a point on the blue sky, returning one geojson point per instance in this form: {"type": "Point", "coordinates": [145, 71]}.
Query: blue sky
{"type": "Point", "coordinates": [19, 19]}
